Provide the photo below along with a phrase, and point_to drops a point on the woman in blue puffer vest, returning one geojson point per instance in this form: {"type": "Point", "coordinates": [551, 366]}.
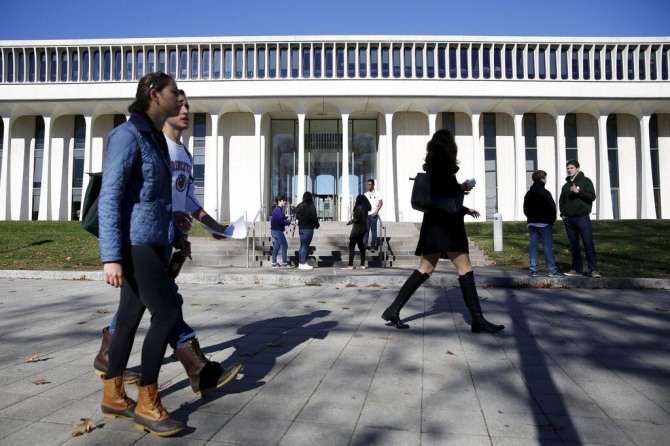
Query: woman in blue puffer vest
{"type": "Point", "coordinates": [137, 233]}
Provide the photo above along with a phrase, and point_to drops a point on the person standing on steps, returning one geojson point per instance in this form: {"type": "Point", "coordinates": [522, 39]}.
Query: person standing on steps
{"type": "Point", "coordinates": [305, 213]}
{"type": "Point", "coordinates": [376, 203]}
{"type": "Point", "coordinates": [358, 230]}
{"type": "Point", "coordinates": [278, 224]}
{"type": "Point", "coordinates": [203, 374]}
{"type": "Point", "coordinates": [443, 235]}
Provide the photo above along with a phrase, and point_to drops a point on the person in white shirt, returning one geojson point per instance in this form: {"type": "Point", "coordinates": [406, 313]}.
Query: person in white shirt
{"type": "Point", "coordinates": [376, 202]}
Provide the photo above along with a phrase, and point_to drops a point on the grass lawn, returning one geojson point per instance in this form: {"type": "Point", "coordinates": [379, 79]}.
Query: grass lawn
{"type": "Point", "coordinates": [625, 248]}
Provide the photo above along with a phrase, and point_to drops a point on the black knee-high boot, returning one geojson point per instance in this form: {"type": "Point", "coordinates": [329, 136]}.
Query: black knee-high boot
{"type": "Point", "coordinates": [469, 290]}
{"type": "Point", "coordinates": [392, 313]}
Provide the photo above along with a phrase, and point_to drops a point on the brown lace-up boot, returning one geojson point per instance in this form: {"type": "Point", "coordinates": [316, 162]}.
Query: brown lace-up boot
{"type": "Point", "coordinates": [101, 361]}
{"type": "Point", "coordinates": [115, 403]}
{"type": "Point", "coordinates": [151, 416]}
{"type": "Point", "coordinates": [204, 374]}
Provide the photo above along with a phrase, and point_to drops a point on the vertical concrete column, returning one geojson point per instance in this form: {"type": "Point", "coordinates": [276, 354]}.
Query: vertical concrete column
{"type": "Point", "coordinates": [87, 159]}
{"type": "Point", "coordinates": [432, 117]}
{"type": "Point", "coordinates": [559, 175]}
{"type": "Point", "coordinates": [345, 199]}
{"type": "Point", "coordinates": [4, 171]}
{"type": "Point", "coordinates": [479, 192]}
{"type": "Point", "coordinates": [519, 167]}
{"type": "Point", "coordinates": [214, 170]}
{"type": "Point", "coordinates": [301, 157]}
{"type": "Point", "coordinates": [44, 210]}
{"type": "Point", "coordinates": [389, 210]}
{"type": "Point", "coordinates": [261, 162]}
{"type": "Point", "coordinates": [647, 208]}
{"type": "Point", "coordinates": [603, 190]}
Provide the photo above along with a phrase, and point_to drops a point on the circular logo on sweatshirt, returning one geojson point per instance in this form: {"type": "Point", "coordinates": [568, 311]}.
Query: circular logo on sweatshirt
{"type": "Point", "coordinates": [180, 183]}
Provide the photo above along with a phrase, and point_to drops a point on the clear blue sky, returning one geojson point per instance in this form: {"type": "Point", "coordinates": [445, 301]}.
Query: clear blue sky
{"type": "Point", "coordinates": [89, 19]}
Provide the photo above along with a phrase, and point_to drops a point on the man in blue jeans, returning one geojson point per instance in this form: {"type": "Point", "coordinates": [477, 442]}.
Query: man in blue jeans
{"type": "Point", "coordinates": [204, 374]}
{"type": "Point", "coordinates": [278, 224]}
{"type": "Point", "coordinates": [540, 208]}
{"type": "Point", "coordinates": [575, 202]}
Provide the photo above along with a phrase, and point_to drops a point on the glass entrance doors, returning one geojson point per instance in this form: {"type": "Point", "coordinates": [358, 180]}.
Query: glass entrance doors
{"type": "Point", "coordinates": [323, 165]}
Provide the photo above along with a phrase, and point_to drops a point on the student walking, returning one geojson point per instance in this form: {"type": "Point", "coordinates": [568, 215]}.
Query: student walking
{"type": "Point", "coordinates": [305, 213]}
{"type": "Point", "coordinates": [358, 230]}
{"type": "Point", "coordinates": [278, 223]}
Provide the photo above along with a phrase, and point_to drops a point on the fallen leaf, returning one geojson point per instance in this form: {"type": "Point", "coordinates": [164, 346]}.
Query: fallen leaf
{"type": "Point", "coordinates": [385, 338]}
{"type": "Point", "coordinates": [34, 358]}
{"type": "Point", "coordinates": [449, 352]}
{"type": "Point", "coordinates": [81, 322]}
{"type": "Point", "coordinates": [41, 382]}
{"type": "Point", "coordinates": [346, 308]}
{"type": "Point", "coordinates": [351, 285]}
{"type": "Point", "coordinates": [195, 305]}
{"type": "Point", "coordinates": [322, 301]}
{"type": "Point", "coordinates": [81, 427]}
{"type": "Point", "coordinates": [102, 311]}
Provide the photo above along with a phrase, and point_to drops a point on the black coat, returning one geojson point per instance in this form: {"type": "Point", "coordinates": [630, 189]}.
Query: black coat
{"type": "Point", "coordinates": [442, 232]}
{"type": "Point", "coordinates": [359, 222]}
{"type": "Point", "coordinates": [306, 216]}
{"type": "Point", "coordinates": [538, 204]}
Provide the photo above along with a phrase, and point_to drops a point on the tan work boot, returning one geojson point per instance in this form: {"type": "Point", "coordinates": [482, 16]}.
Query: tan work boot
{"type": "Point", "coordinates": [115, 403]}
{"type": "Point", "coordinates": [151, 416]}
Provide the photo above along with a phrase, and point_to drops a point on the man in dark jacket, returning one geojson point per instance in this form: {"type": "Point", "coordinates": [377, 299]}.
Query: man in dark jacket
{"type": "Point", "coordinates": [540, 208]}
{"type": "Point", "coordinates": [575, 202]}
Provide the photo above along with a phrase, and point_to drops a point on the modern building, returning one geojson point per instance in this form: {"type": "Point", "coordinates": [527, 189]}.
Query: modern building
{"type": "Point", "coordinates": [326, 113]}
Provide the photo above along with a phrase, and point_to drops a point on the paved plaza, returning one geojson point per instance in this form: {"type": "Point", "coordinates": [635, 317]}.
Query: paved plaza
{"type": "Point", "coordinates": [581, 361]}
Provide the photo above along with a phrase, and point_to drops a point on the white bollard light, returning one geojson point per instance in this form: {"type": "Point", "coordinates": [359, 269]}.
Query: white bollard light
{"type": "Point", "coordinates": [497, 232]}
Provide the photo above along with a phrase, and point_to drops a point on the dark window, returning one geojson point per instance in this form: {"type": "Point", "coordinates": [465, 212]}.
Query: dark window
{"type": "Point", "coordinates": [195, 58]}
{"type": "Point", "coordinates": [317, 62]}
{"type": "Point", "coordinates": [396, 61]}
{"type": "Point", "coordinates": [216, 63]}
{"type": "Point", "coordinates": [205, 63]}
{"type": "Point", "coordinates": [96, 66]}
{"type": "Point", "coordinates": [107, 66]}
{"type": "Point", "coordinates": [664, 65]}
{"type": "Point", "coordinates": [519, 63]}
{"type": "Point", "coordinates": [631, 64]}
{"type": "Point", "coordinates": [486, 66]}
{"type": "Point", "coordinates": [418, 62]}
{"type": "Point", "coordinates": [74, 66]}
{"type": "Point", "coordinates": [490, 165]}
{"type": "Point", "coordinates": [497, 68]}
{"type": "Point", "coordinates": [10, 67]}
{"type": "Point", "coordinates": [652, 65]}
{"type": "Point", "coordinates": [619, 64]}
{"type": "Point", "coordinates": [161, 62]}
{"type": "Point", "coordinates": [272, 62]}
{"type": "Point", "coordinates": [139, 64]}
{"type": "Point", "coordinates": [464, 63]}
{"type": "Point", "coordinates": [430, 62]}
{"type": "Point", "coordinates": [227, 63]}
{"type": "Point", "coordinates": [408, 61]}
{"type": "Point", "coordinates": [575, 64]}
{"type": "Point", "coordinates": [641, 66]}
{"type": "Point", "coordinates": [199, 138]}
{"type": "Point", "coordinates": [362, 61]}
{"type": "Point", "coordinates": [452, 63]}
{"type": "Point", "coordinates": [43, 66]}
{"type": "Point", "coordinates": [542, 64]}
{"type": "Point", "coordinates": [283, 62]}
{"type": "Point", "coordinates": [553, 70]}
{"type": "Point", "coordinates": [530, 140]}
{"type": "Point", "coordinates": [329, 62]}
{"type": "Point", "coordinates": [351, 61]}
{"type": "Point", "coordinates": [449, 122]}
{"type": "Point", "coordinates": [339, 61]}
{"type": "Point", "coordinates": [260, 62]}
{"type": "Point", "coordinates": [586, 64]}
{"type": "Point", "coordinates": [385, 62]}
{"type": "Point", "coordinates": [564, 63]}
{"type": "Point", "coordinates": [53, 67]}
{"type": "Point", "coordinates": [151, 62]}
{"type": "Point", "coordinates": [118, 65]}
{"type": "Point", "coordinates": [596, 65]}
{"type": "Point", "coordinates": [608, 64]}
{"type": "Point", "coordinates": [22, 67]}
{"type": "Point", "coordinates": [531, 63]}
{"type": "Point", "coordinates": [441, 63]}
{"type": "Point", "coordinates": [474, 58]}
{"type": "Point", "coordinates": [655, 167]}
{"type": "Point", "coordinates": [305, 62]}
{"type": "Point", "coordinates": [172, 58]}
{"type": "Point", "coordinates": [63, 66]}
{"type": "Point", "coordinates": [295, 62]}
{"type": "Point", "coordinates": [570, 125]}
{"type": "Point", "coordinates": [374, 61]}
{"type": "Point", "coordinates": [508, 63]}
{"type": "Point", "coordinates": [250, 63]}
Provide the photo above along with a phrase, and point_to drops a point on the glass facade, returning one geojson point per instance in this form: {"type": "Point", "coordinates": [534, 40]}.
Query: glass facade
{"type": "Point", "coordinates": [613, 163]}
{"type": "Point", "coordinates": [530, 141]}
{"type": "Point", "coordinates": [78, 165]}
{"type": "Point", "coordinates": [490, 164]}
{"type": "Point", "coordinates": [38, 162]}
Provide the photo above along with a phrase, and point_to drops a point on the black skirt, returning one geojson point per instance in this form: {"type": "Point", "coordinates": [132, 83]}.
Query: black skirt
{"type": "Point", "coordinates": [441, 232]}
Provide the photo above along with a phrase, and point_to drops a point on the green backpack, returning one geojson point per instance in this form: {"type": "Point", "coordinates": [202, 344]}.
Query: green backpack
{"type": "Point", "coordinates": [89, 210]}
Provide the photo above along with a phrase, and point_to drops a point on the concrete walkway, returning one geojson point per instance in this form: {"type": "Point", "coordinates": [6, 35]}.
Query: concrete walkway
{"type": "Point", "coordinates": [582, 361]}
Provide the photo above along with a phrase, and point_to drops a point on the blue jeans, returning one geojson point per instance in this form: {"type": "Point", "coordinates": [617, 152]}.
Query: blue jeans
{"type": "Point", "coordinates": [547, 236]}
{"type": "Point", "coordinates": [305, 239]}
{"type": "Point", "coordinates": [180, 333]}
{"type": "Point", "coordinates": [279, 240]}
{"type": "Point", "coordinates": [372, 227]}
{"type": "Point", "coordinates": [581, 226]}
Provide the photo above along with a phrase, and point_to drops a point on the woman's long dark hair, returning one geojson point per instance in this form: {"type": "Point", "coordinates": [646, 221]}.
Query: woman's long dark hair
{"type": "Point", "coordinates": [307, 198]}
{"type": "Point", "coordinates": [362, 200]}
{"type": "Point", "coordinates": [441, 152]}
{"type": "Point", "coordinates": [152, 81]}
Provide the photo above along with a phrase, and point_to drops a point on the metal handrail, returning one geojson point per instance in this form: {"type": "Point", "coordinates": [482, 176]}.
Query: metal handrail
{"type": "Point", "coordinates": [252, 228]}
{"type": "Point", "coordinates": [383, 247]}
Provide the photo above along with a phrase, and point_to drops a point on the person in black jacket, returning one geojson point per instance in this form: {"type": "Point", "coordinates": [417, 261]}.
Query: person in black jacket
{"type": "Point", "coordinates": [443, 236]}
{"type": "Point", "coordinates": [540, 208]}
{"type": "Point", "coordinates": [305, 213]}
{"type": "Point", "coordinates": [358, 230]}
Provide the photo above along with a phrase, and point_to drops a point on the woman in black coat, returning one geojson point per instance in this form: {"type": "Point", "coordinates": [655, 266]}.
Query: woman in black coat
{"type": "Point", "coordinates": [443, 236]}
{"type": "Point", "coordinates": [358, 230]}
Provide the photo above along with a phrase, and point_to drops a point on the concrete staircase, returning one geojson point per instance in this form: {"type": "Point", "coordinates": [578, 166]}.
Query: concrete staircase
{"type": "Point", "coordinates": [329, 248]}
